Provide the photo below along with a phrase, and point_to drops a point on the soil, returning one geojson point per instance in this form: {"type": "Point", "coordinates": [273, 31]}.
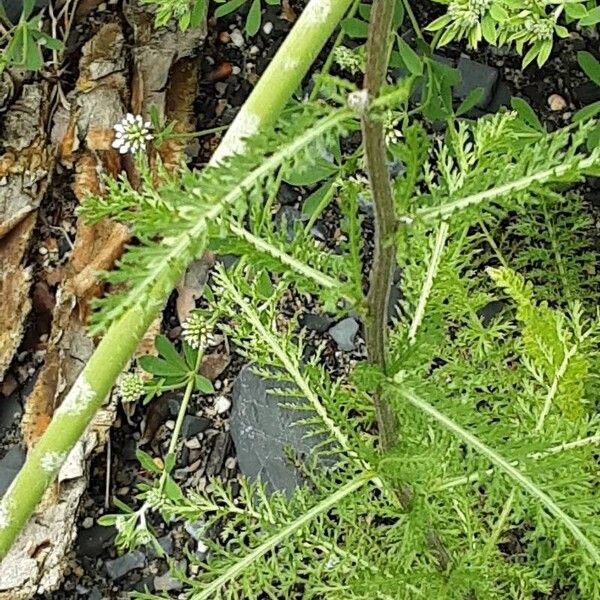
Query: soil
{"type": "Point", "coordinates": [226, 76]}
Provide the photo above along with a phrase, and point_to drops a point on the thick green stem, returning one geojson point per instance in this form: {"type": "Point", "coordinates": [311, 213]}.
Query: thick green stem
{"type": "Point", "coordinates": [283, 76]}
{"type": "Point", "coordinates": [376, 321]}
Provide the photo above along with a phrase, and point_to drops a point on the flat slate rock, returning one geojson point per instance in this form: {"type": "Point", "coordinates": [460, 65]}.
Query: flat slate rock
{"type": "Point", "coordinates": [344, 332]}
{"type": "Point", "coordinates": [122, 565]}
{"type": "Point", "coordinates": [10, 465]}
{"type": "Point", "coordinates": [262, 430]}
{"type": "Point", "coordinates": [476, 75]}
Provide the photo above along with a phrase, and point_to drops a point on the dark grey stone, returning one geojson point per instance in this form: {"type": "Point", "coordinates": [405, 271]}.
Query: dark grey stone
{"type": "Point", "coordinates": [10, 411]}
{"type": "Point", "coordinates": [291, 216]}
{"type": "Point", "coordinates": [489, 311]}
{"type": "Point", "coordinates": [122, 565]}
{"type": "Point", "coordinates": [587, 93]}
{"type": "Point", "coordinates": [262, 431]}
{"type": "Point", "coordinates": [344, 332]}
{"type": "Point", "coordinates": [95, 594]}
{"type": "Point", "coordinates": [91, 542]}
{"type": "Point", "coordinates": [474, 75]}
{"type": "Point", "coordinates": [167, 583]}
{"type": "Point", "coordinates": [287, 195]}
{"type": "Point", "coordinates": [365, 204]}
{"type": "Point", "coordinates": [193, 425]}
{"type": "Point", "coordinates": [312, 322]}
{"type": "Point", "coordinates": [501, 98]}
{"type": "Point", "coordinates": [10, 465]}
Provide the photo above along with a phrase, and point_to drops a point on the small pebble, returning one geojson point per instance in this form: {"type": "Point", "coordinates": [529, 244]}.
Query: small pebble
{"type": "Point", "coordinates": [224, 37]}
{"type": "Point", "coordinates": [87, 523]}
{"type": "Point", "coordinates": [236, 70]}
{"type": "Point", "coordinates": [230, 463]}
{"type": "Point", "coordinates": [222, 404]}
{"type": "Point", "coordinates": [43, 250]}
{"type": "Point", "coordinates": [267, 28]}
{"type": "Point", "coordinates": [237, 39]}
{"type": "Point", "coordinates": [557, 103]}
{"type": "Point", "coordinates": [254, 50]}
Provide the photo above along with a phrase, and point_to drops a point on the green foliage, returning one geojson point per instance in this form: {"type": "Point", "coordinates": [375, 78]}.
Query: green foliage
{"type": "Point", "coordinates": [253, 18]}
{"type": "Point", "coordinates": [530, 28]}
{"type": "Point", "coordinates": [496, 455]}
{"type": "Point", "coordinates": [187, 13]}
{"type": "Point", "coordinates": [21, 44]}
{"type": "Point", "coordinates": [492, 358]}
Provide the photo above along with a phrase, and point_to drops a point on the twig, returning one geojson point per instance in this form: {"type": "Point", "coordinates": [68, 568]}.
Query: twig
{"type": "Point", "coordinates": [376, 320]}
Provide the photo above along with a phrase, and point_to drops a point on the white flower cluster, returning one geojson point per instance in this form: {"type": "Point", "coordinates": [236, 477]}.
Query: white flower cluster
{"type": "Point", "coordinates": [131, 134]}
{"type": "Point", "coordinates": [542, 29]}
{"type": "Point", "coordinates": [469, 13]}
{"type": "Point", "coordinates": [347, 59]}
{"type": "Point", "coordinates": [197, 331]}
{"type": "Point", "coordinates": [393, 133]}
{"type": "Point", "coordinates": [131, 387]}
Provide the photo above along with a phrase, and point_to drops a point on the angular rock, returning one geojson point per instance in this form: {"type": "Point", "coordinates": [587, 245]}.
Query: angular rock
{"type": "Point", "coordinates": [313, 322]}
{"type": "Point", "coordinates": [474, 75]}
{"type": "Point", "coordinates": [13, 460]}
{"type": "Point", "coordinates": [167, 583]}
{"type": "Point", "coordinates": [262, 430]}
{"type": "Point", "coordinates": [344, 333]}
{"type": "Point", "coordinates": [10, 411]}
{"type": "Point", "coordinates": [91, 542]}
{"type": "Point", "coordinates": [120, 566]}
{"type": "Point", "coordinates": [193, 425]}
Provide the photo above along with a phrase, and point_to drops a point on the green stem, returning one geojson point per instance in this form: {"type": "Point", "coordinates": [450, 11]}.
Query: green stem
{"type": "Point", "coordinates": [376, 319]}
{"type": "Point", "coordinates": [189, 388]}
{"type": "Point", "coordinates": [285, 73]}
{"type": "Point", "coordinates": [504, 465]}
{"type": "Point", "coordinates": [286, 533]}
{"type": "Point", "coordinates": [266, 102]}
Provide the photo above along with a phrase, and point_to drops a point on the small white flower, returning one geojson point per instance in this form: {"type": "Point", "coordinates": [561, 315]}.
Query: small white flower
{"type": "Point", "coordinates": [52, 461]}
{"type": "Point", "coordinates": [131, 134]}
{"type": "Point", "coordinates": [347, 59]}
{"type": "Point", "coordinates": [197, 331]}
{"type": "Point", "coordinates": [131, 387]}
{"type": "Point", "coordinates": [393, 133]}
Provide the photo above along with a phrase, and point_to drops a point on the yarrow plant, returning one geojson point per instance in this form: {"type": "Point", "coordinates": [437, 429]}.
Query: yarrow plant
{"type": "Point", "coordinates": [466, 433]}
{"type": "Point", "coordinates": [528, 26]}
{"type": "Point", "coordinates": [132, 134]}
